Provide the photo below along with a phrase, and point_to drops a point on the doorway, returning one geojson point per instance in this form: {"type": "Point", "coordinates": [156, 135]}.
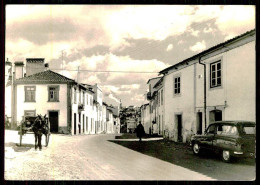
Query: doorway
{"type": "Point", "coordinates": [179, 129]}
{"type": "Point", "coordinates": [79, 123]}
{"type": "Point", "coordinates": [75, 123]}
{"type": "Point", "coordinates": [215, 115]}
{"type": "Point", "coordinates": [199, 123]}
{"type": "Point", "coordinates": [83, 121]}
{"type": "Point", "coordinates": [54, 121]}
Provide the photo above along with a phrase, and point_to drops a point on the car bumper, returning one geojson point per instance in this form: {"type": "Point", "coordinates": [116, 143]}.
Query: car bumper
{"type": "Point", "coordinates": [243, 154]}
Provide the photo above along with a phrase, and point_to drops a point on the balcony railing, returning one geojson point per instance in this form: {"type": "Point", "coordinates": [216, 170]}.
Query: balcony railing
{"type": "Point", "coordinates": [81, 107]}
{"type": "Point", "coordinates": [149, 96]}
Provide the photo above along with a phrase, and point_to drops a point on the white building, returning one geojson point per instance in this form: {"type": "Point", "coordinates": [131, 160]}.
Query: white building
{"type": "Point", "coordinates": [68, 104]}
{"type": "Point", "coordinates": [145, 117]}
{"type": "Point", "coordinates": [216, 84]}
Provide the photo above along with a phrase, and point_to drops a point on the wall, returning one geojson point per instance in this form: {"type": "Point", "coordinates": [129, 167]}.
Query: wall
{"type": "Point", "coordinates": [179, 104]}
{"type": "Point", "coordinates": [238, 89]}
{"type": "Point", "coordinates": [42, 106]}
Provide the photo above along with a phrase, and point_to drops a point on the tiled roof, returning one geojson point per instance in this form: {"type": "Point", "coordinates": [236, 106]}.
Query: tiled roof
{"type": "Point", "coordinates": [45, 76]}
{"type": "Point", "coordinates": [251, 32]}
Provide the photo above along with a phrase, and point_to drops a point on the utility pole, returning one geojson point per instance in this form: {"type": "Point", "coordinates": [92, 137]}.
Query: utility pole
{"type": "Point", "coordinates": [62, 61]}
{"type": "Point", "coordinates": [78, 75]}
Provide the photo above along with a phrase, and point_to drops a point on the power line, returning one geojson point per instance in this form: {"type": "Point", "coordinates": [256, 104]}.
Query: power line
{"type": "Point", "coordinates": [76, 70]}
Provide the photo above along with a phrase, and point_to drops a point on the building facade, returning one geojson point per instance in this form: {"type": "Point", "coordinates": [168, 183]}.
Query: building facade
{"type": "Point", "coordinates": [216, 84]}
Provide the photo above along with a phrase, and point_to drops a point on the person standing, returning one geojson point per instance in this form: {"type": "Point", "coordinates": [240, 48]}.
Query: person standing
{"type": "Point", "coordinates": [140, 131]}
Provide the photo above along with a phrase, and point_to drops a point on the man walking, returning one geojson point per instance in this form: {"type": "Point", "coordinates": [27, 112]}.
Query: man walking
{"type": "Point", "coordinates": [140, 131]}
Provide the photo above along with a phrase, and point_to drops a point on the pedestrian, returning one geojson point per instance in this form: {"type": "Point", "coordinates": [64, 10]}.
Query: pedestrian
{"type": "Point", "coordinates": [79, 127]}
{"type": "Point", "coordinates": [140, 131]}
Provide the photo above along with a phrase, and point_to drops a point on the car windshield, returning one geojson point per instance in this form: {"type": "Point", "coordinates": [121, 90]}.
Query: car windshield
{"type": "Point", "coordinates": [248, 130]}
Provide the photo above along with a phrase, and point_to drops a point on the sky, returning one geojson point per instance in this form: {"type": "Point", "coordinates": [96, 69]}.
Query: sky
{"type": "Point", "coordinates": [104, 40]}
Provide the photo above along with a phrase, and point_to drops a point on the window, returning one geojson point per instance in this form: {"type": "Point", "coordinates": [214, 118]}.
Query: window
{"type": "Point", "coordinates": [29, 93]}
{"type": "Point", "coordinates": [53, 93]}
{"type": "Point", "coordinates": [83, 98]}
{"type": "Point", "coordinates": [86, 123]}
{"type": "Point", "coordinates": [29, 113]}
{"type": "Point", "coordinates": [177, 85]}
{"type": "Point", "coordinates": [87, 99]}
{"type": "Point", "coordinates": [248, 130]}
{"type": "Point", "coordinates": [75, 96]}
{"type": "Point", "coordinates": [80, 96]}
{"type": "Point", "coordinates": [227, 130]}
{"type": "Point", "coordinates": [215, 74]}
{"type": "Point", "coordinates": [211, 129]}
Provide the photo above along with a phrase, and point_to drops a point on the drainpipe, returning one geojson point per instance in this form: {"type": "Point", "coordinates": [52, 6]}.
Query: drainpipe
{"type": "Point", "coordinates": [205, 96]}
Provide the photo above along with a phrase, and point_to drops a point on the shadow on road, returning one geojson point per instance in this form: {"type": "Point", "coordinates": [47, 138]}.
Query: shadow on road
{"type": "Point", "coordinates": [181, 154]}
{"type": "Point", "coordinates": [17, 148]}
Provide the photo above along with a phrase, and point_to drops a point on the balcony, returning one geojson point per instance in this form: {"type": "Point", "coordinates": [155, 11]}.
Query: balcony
{"type": "Point", "coordinates": [81, 107]}
{"type": "Point", "coordinates": [148, 95]}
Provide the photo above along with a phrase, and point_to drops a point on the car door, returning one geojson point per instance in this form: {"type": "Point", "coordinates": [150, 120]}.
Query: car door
{"type": "Point", "coordinates": [207, 140]}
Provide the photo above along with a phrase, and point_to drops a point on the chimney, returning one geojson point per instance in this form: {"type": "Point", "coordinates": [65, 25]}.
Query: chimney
{"type": "Point", "coordinates": [8, 71]}
{"type": "Point", "coordinates": [34, 65]}
{"type": "Point", "coordinates": [18, 70]}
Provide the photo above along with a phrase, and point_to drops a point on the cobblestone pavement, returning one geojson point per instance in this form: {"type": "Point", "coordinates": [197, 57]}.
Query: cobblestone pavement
{"type": "Point", "coordinates": [85, 157]}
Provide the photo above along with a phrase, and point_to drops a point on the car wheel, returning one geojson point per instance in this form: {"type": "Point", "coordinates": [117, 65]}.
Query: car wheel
{"type": "Point", "coordinates": [226, 157]}
{"type": "Point", "coordinates": [196, 148]}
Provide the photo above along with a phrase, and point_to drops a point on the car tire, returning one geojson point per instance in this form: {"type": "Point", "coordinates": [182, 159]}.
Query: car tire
{"type": "Point", "coordinates": [226, 156]}
{"type": "Point", "coordinates": [196, 149]}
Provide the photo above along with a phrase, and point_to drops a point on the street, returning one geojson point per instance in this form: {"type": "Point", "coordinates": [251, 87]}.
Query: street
{"type": "Point", "coordinates": [92, 157]}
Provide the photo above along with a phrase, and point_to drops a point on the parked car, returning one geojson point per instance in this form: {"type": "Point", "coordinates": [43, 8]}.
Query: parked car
{"type": "Point", "coordinates": [227, 138]}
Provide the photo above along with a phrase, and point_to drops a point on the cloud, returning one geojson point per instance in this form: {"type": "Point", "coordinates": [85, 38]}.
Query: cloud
{"type": "Point", "coordinates": [180, 42]}
{"type": "Point", "coordinates": [235, 20]}
{"type": "Point", "coordinates": [199, 46]}
{"type": "Point", "coordinates": [207, 30]}
{"type": "Point", "coordinates": [195, 33]}
{"type": "Point", "coordinates": [170, 47]}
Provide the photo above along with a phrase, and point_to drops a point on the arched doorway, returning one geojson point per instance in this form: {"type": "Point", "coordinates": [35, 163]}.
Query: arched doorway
{"type": "Point", "coordinates": [215, 115]}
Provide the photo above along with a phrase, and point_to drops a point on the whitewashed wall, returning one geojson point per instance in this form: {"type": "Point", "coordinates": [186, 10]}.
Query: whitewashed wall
{"type": "Point", "coordinates": [42, 105]}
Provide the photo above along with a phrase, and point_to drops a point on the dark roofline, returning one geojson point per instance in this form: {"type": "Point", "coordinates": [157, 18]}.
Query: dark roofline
{"type": "Point", "coordinates": [35, 59]}
{"type": "Point", "coordinates": [8, 63]}
{"type": "Point", "coordinates": [157, 83]}
{"type": "Point", "coordinates": [248, 33]}
{"type": "Point", "coordinates": [153, 79]}
{"type": "Point", "coordinates": [21, 80]}
{"type": "Point", "coordinates": [19, 63]}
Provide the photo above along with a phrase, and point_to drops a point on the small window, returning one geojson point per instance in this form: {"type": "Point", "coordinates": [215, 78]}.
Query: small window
{"type": "Point", "coordinates": [211, 129]}
{"type": "Point", "coordinates": [29, 93]}
{"type": "Point", "coordinates": [177, 85]}
{"type": "Point", "coordinates": [162, 97]}
{"type": "Point", "coordinates": [53, 93]}
{"type": "Point", "coordinates": [248, 130]}
{"type": "Point", "coordinates": [29, 113]}
{"type": "Point", "coordinates": [75, 96]}
{"type": "Point", "coordinates": [215, 74]}
{"type": "Point", "coordinates": [80, 96]}
{"type": "Point", "coordinates": [83, 98]}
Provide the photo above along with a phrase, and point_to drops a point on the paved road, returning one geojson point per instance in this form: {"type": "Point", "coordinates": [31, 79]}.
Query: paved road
{"type": "Point", "coordinates": [86, 157]}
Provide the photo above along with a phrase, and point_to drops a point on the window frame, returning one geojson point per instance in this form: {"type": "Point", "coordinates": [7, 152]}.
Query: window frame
{"type": "Point", "coordinates": [215, 64]}
{"type": "Point", "coordinates": [57, 89]}
{"type": "Point", "coordinates": [75, 95]}
{"type": "Point", "coordinates": [25, 94]}
{"type": "Point", "coordinates": [178, 85]}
